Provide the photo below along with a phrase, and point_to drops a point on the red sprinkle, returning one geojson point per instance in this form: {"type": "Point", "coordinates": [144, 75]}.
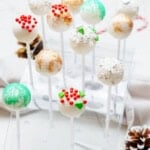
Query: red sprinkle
{"type": "Point", "coordinates": [71, 103]}
{"type": "Point", "coordinates": [84, 101]}
{"type": "Point", "coordinates": [62, 101]}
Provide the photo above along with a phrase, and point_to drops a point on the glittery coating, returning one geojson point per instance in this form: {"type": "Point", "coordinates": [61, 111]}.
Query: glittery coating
{"type": "Point", "coordinates": [72, 102]}
{"type": "Point", "coordinates": [16, 96]}
{"type": "Point", "coordinates": [59, 18]}
{"type": "Point", "coordinates": [25, 28]}
{"type": "Point", "coordinates": [40, 7]}
{"type": "Point", "coordinates": [110, 71]}
{"type": "Point", "coordinates": [83, 39]}
{"type": "Point", "coordinates": [92, 11]}
{"type": "Point", "coordinates": [120, 26]}
{"type": "Point", "coordinates": [73, 5]}
{"type": "Point", "coordinates": [48, 62]}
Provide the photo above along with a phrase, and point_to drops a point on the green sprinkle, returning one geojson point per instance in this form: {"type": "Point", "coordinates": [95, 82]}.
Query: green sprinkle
{"type": "Point", "coordinates": [97, 38]}
{"type": "Point", "coordinates": [61, 95]}
{"type": "Point", "coordinates": [81, 93]}
{"type": "Point", "coordinates": [81, 30]}
{"type": "Point", "coordinates": [79, 105]}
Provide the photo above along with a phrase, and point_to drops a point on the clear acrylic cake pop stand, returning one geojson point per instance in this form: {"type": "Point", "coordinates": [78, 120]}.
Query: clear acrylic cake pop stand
{"type": "Point", "coordinates": [96, 105]}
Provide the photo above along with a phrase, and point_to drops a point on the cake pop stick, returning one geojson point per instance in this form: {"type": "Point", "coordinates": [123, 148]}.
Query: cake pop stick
{"type": "Point", "coordinates": [50, 100]}
{"type": "Point", "coordinates": [18, 130]}
{"type": "Point", "coordinates": [107, 121]}
{"type": "Point", "coordinates": [71, 133]}
{"type": "Point", "coordinates": [43, 31]}
{"type": "Point", "coordinates": [30, 65]}
{"type": "Point", "coordinates": [83, 72]}
{"type": "Point", "coordinates": [63, 57]}
{"type": "Point", "coordinates": [119, 49]}
{"type": "Point", "coordinates": [16, 96]}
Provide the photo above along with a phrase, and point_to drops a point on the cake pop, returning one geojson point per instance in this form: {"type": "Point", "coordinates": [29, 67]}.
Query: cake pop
{"type": "Point", "coordinates": [59, 18]}
{"type": "Point", "coordinates": [83, 39]}
{"type": "Point", "coordinates": [48, 62]}
{"type": "Point", "coordinates": [72, 102]}
{"type": "Point", "coordinates": [92, 11]}
{"type": "Point", "coordinates": [25, 28]}
{"type": "Point", "coordinates": [129, 7]}
{"type": "Point", "coordinates": [16, 96]}
{"type": "Point", "coordinates": [40, 7]}
{"type": "Point", "coordinates": [73, 5]}
{"type": "Point", "coordinates": [110, 71]}
{"type": "Point", "coordinates": [120, 26]}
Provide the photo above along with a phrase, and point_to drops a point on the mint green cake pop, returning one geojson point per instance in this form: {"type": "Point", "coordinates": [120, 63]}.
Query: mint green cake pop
{"type": "Point", "coordinates": [16, 96]}
{"type": "Point", "coordinates": [92, 11]}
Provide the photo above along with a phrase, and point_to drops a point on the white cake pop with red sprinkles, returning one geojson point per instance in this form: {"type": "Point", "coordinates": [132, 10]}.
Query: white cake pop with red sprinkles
{"type": "Point", "coordinates": [72, 102]}
{"type": "Point", "coordinates": [25, 28]}
{"type": "Point", "coordinates": [59, 18]}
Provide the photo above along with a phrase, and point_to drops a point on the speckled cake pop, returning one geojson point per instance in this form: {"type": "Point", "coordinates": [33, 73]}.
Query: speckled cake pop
{"type": "Point", "coordinates": [16, 96]}
{"type": "Point", "coordinates": [92, 11]}
{"type": "Point", "coordinates": [40, 7]}
{"type": "Point", "coordinates": [72, 102]}
{"type": "Point", "coordinates": [120, 26]}
{"type": "Point", "coordinates": [73, 5]}
{"type": "Point", "coordinates": [83, 39]}
{"type": "Point", "coordinates": [59, 18]}
{"type": "Point", "coordinates": [25, 28]}
{"type": "Point", "coordinates": [110, 71]}
{"type": "Point", "coordinates": [129, 7]}
{"type": "Point", "coordinates": [48, 62]}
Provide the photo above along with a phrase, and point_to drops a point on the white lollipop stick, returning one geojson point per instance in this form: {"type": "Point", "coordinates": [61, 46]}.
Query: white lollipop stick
{"type": "Point", "coordinates": [119, 49]}
{"type": "Point", "coordinates": [50, 101]}
{"type": "Point", "coordinates": [93, 63]}
{"type": "Point", "coordinates": [83, 72]}
{"type": "Point", "coordinates": [72, 133]}
{"type": "Point", "coordinates": [18, 130]}
{"type": "Point", "coordinates": [43, 31]}
{"type": "Point", "coordinates": [30, 65]}
{"type": "Point", "coordinates": [124, 50]}
{"type": "Point", "coordinates": [63, 56]}
{"type": "Point", "coordinates": [107, 121]}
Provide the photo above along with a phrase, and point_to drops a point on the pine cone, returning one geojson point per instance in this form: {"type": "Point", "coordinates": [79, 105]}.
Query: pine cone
{"type": "Point", "coordinates": [138, 138]}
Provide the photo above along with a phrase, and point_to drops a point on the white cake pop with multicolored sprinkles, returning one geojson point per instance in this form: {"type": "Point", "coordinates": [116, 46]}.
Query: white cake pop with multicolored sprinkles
{"type": "Point", "coordinates": [25, 28]}
{"type": "Point", "coordinates": [40, 7]}
{"type": "Point", "coordinates": [72, 102]}
{"type": "Point", "coordinates": [110, 71]}
{"type": "Point", "coordinates": [83, 39]}
{"type": "Point", "coordinates": [59, 18]}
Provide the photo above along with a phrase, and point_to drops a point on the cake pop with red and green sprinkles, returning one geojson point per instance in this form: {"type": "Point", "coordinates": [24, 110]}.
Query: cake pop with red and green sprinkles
{"type": "Point", "coordinates": [72, 102]}
{"type": "Point", "coordinates": [25, 28]}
